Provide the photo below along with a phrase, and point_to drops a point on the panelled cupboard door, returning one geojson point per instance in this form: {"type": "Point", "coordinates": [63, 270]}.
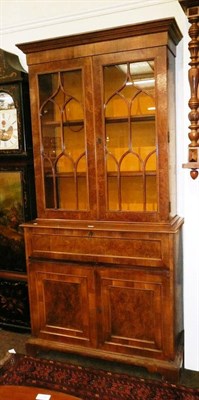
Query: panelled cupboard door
{"type": "Point", "coordinates": [132, 134]}
{"type": "Point", "coordinates": [134, 313]}
{"type": "Point", "coordinates": [64, 153]}
{"type": "Point", "coordinates": [116, 310]}
{"type": "Point", "coordinates": [62, 303]}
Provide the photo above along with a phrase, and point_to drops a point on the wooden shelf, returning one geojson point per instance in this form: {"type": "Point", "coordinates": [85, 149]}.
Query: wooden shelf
{"type": "Point", "coordinates": [67, 175]}
{"type": "Point", "coordinates": [67, 123]}
{"type": "Point", "coordinates": [135, 118]}
{"type": "Point", "coordinates": [128, 174]}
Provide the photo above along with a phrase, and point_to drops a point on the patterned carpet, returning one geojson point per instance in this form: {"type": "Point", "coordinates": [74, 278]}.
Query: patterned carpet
{"type": "Point", "coordinates": [9, 340]}
{"type": "Point", "coordinates": [87, 383]}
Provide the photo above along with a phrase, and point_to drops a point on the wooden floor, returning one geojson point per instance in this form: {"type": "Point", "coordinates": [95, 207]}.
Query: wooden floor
{"type": "Point", "coordinates": [8, 392]}
{"type": "Point", "coordinates": [11, 340]}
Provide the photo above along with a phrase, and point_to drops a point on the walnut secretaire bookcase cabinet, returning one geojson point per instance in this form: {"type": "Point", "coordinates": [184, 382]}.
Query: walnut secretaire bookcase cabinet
{"type": "Point", "coordinates": [104, 255]}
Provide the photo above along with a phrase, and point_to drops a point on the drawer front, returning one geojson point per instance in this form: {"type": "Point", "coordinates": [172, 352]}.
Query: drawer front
{"type": "Point", "coordinates": [118, 248]}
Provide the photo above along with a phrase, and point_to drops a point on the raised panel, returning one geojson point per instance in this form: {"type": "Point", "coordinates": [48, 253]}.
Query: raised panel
{"type": "Point", "coordinates": [62, 301]}
{"type": "Point", "coordinates": [132, 317]}
{"type": "Point", "coordinates": [63, 305]}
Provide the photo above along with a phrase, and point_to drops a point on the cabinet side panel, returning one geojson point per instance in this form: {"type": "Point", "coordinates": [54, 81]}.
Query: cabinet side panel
{"type": "Point", "coordinates": [172, 135]}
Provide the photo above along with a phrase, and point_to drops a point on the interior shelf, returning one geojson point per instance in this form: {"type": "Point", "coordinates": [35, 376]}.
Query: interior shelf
{"type": "Point", "coordinates": [134, 118]}
{"type": "Point", "coordinates": [66, 123]}
{"type": "Point", "coordinates": [111, 173]}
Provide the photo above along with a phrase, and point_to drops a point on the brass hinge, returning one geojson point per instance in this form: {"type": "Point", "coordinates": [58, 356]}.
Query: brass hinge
{"type": "Point", "coordinates": [169, 206]}
{"type": "Point", "coordinates": [168, 137]}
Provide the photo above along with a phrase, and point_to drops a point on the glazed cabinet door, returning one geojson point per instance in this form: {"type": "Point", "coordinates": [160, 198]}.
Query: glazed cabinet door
{"type": "Point", "coordinates": [132, 134]}
{"type": "Point", "coordinates": [134, 312]}
{"type": "Point", "coordinates": [101, 136]}
{"type": "Point", "coordinates": [63, 139]}
{"type": "Point", "coordinates": [62, 303]}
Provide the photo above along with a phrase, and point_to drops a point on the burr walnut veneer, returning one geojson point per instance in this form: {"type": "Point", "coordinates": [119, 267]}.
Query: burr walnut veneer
{"type": "Point", "coordinates": [104, 255]}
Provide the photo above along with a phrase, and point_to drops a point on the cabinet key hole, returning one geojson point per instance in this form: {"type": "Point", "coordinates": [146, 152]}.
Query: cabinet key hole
{"type": "Point", "coordinates": [90, 233]}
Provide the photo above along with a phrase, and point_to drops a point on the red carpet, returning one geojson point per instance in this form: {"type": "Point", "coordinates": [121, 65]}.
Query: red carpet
{"type": "Point", "coordinates": [87, 383]}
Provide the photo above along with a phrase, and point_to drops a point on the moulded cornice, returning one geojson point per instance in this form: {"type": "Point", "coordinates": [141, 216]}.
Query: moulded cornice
{"type": "Point", "coordinates": [164, 25]}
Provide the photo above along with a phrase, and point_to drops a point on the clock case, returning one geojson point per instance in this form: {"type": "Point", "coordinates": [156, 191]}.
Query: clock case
{"type": "Point", "coordinates": [14, 81]}
{"type": "Point", "coordinates": [15, 166]}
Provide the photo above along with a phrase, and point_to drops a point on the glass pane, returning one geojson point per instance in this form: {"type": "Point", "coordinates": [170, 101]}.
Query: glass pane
{"type": "Point", "coordinates": [8, 123]}
{"type": "Point", "coordinates": [63, 140]}
{"type": "Point", "coordinates": [151, 193]}
{"type": "Point", "coordinates": [130, 133]}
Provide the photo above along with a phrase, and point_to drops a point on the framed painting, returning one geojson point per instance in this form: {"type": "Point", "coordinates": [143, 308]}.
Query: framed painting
{"type": "Point", "coordinates": [13, 212]}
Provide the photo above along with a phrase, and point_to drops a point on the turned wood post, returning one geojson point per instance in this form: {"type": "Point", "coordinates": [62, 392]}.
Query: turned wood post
{"type": "Point", "coordinates": [192, 11]}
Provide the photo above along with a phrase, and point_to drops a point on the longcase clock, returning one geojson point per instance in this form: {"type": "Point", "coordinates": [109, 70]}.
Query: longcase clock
{"type": "Point", "coordinates": [17, 191]}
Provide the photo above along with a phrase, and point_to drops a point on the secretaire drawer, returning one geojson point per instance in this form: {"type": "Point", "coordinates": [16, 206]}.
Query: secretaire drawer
{"type": "Point", "coordinates": [132, 248]}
